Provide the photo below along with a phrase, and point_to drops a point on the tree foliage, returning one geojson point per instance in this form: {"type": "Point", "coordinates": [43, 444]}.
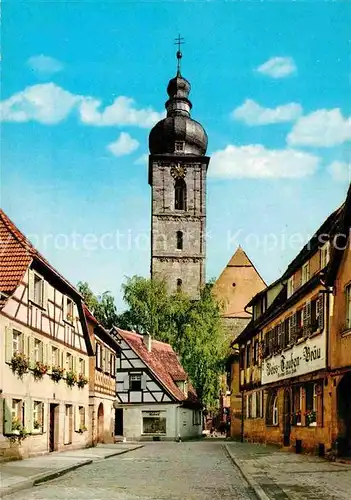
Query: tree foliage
{"type": "Point", "coordinates": [102, 306]}
{"type": "Point", "coordinates": [193, 328]}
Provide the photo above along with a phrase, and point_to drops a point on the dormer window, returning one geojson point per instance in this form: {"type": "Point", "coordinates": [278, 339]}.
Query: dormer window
{"type": "Point", "coordinates": [325, 255]}
{"type": "Point", "coordinates": [291, 286]}
{"type": "Point", "coordinates": [178, 146]}
{"type": "Point", "coordinates": [305, 273]}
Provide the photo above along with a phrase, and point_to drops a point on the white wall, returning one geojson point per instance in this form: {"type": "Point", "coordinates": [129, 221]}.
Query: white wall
{"type": "Point", "coordinates": [179, 421]}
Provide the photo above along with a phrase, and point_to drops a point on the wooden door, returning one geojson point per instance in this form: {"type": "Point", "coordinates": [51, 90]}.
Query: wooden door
{"type": "Point", "coordinates": [119, 422]}
{"type": "Point", "coordinates": [52, 427]}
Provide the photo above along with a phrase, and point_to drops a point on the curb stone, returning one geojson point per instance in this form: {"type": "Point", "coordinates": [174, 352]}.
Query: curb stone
{"type": "Point", "coordinates": [48, 476]}
{"type": "Point", "coordinates": [41, 478]}
{"type": "Point", "coordinates": [248, 477]}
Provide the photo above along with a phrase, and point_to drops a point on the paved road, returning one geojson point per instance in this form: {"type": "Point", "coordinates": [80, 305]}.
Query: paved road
{"type": "Point", "coordinates": [172, 471]}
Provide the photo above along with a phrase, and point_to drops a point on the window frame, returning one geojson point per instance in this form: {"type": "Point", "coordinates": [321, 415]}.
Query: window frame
{"type": "Point", "coordinates": [180, 195]}
{"type": "Point", "coordinates": [180, 240]}
{"type": "Point", "coordinates": [347, 292]}
{"type": "Point", "coordinates": [19, 342]}
{"type": "Point", "coordinates": [133, 378]}
{"type": "Point", "coordinates": [291, 286]}
{"type": "Point", "coordinates": [305, 273]}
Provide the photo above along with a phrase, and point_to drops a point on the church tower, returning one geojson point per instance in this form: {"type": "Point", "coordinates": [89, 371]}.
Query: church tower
{"type": "Point", "coordinates": [177, 176]}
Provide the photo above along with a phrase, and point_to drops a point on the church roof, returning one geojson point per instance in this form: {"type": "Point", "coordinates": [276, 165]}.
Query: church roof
{"type": "Point", "coordinates": [164, 363]}
{"type": "Point", "coordinates": [237, 284]}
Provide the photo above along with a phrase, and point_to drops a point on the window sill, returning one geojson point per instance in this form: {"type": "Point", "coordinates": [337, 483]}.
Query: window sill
{"type": "Point", "coordinates": [37, 431]}
{"type": "Point", "coordinates": [272, 425]}
{"type": "Point", "coordinates": [346, 332]}
{"type": "Point", "coordinates": [39, 306]}
{"type": "Point", "coordinates": [314, 334]}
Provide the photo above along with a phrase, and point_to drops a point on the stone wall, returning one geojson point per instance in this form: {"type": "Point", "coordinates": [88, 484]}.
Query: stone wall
{"type": "Point", "coordinates": [168, 262]}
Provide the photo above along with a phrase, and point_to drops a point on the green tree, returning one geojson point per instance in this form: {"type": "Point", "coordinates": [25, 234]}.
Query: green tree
{"type": "Point", "coordinates": [193, 328]}
{"type": "Point", "coordinates": [102, 306]}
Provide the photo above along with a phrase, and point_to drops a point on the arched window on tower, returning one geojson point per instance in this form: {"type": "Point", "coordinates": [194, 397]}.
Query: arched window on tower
{"type": "Point", "coordinates": [179, 285]}
{"type": "Point", "coordinates": [179, 240]}
{"type": "Point", "coordinates": [180, 194]}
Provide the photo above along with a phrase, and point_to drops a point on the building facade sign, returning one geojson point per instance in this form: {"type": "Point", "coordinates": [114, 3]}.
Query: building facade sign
{"type": "Point", "coordinates": [303, 358]}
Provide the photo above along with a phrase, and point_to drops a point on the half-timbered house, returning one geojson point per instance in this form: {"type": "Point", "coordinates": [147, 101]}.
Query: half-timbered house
{"type": "Point", "coordinates": [102, 381]}
{"type": "Point", "coordinates": [44, 353]}
{"type": "Point", "coordinates": [155, 397]}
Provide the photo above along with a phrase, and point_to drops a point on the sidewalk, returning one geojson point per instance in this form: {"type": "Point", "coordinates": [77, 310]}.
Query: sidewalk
{"type": "Point", "coordinates": [279, 475]}
{"type": "Point", "coordinates": [25, 473]}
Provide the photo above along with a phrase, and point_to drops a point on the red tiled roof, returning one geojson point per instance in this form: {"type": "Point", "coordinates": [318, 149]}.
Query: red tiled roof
{"type": "Point", "coordinates": [163, 362]}
{"type": "Point", "coordinates": [16, 254]}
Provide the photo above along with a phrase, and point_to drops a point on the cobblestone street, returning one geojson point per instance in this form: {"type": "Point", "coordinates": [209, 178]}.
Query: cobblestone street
{"type": "Point", "coordinates": [192, 470]}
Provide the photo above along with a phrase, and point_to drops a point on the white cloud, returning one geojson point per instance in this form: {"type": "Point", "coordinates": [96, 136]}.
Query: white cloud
{"type": "Point", "coordinates": [251, 113]}
{"type": "Point", "coordinates": [255, 161]}
{"type": "Point", "coordinates": [278, 67]}
{"type": "Point", "coordinates": [340, 171]}
{"type": "Point", "coordinates": [45, 103]}
{"type": "Point", "coordinates": [44, 65]}
{"type": "Point", "coordinates": [121, 112]}
{"type": "Point", "coordinates": [124, 145]}
{"type": "Point", "coordinates": [322, 128]}
{"type": "Point", "coordinates": [142, 160]}
{"type": "Point", "coordinates": [48, 103]}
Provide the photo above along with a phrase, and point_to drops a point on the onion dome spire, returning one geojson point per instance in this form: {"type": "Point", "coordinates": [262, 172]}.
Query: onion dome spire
{"type": "Point", "coordinates": [178, 132]}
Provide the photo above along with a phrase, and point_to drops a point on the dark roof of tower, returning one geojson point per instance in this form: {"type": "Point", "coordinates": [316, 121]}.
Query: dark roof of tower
{"type": "Point", "coordinates": [178, 126]}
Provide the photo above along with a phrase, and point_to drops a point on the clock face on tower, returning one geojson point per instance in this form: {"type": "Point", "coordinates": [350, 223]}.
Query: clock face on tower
{"type": "Point", "coordinates": [178, 171]}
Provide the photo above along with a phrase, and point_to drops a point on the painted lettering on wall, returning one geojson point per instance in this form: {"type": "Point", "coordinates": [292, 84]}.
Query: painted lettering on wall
{"type": "Point", "coordinates": [300, 359]}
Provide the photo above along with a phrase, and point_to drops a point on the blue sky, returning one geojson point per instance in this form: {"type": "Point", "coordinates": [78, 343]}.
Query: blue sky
{"type": "Point", "coordinates": [83, 82]}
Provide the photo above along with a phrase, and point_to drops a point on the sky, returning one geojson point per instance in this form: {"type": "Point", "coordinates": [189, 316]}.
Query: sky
{"type": "Point", "coordinates": [84, 82]}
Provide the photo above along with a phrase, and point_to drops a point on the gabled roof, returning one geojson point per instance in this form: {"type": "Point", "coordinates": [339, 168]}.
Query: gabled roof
{"type": "Point", "coordinates": [164, 364]}
{"type": "Point", "coordinates": [100, 330]}
{"type": "Point", "coordinates": [343, 229]}
{"type": "Point", "coordinates": [237, 284]}
{"type": "Point", "coordinates": [16, 254]}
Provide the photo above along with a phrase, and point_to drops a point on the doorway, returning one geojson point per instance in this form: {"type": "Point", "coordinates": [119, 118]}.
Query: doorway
{"type": "Point", "coordinates": [119, 422]}
{"type": "Point", "coordinates": [100, 436]}
{"type": "Point", "coordinates": [53, 430]}
{"type": "Point", "coordinates": [344, 415]}
{"type": "Point", "coordinates": [287, 417]}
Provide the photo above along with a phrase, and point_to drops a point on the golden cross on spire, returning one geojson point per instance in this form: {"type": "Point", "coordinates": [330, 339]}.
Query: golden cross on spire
{"type": "Point", "coordinates": [179, 41]}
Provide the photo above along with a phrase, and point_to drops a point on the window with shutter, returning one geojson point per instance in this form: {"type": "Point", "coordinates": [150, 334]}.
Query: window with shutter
{"type": "Point", "coordinates": [348, 307]}
{"type": "Point", "coordinates": [320, 312]}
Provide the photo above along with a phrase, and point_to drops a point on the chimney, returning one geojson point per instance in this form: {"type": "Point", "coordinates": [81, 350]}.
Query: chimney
{"type": "Point", "coordinates": [147, 341]}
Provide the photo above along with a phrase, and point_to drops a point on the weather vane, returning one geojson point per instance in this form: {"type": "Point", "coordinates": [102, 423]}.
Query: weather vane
{"type": "Point", "coordinates": [179, 41]}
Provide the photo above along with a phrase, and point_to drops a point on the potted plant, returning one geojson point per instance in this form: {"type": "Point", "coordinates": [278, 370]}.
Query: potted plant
{"type": "Point", "coordinates": [71, 378]}
{"type": "Point", "coordinates": [19, 364]}
{"type": "Point", "coordinates": [82, 380]}
{"type": "Point", "coordinates": [311, 417]}
{"type": "Point", "coordinates": [39, 370]}
{"type": "Point", "coordinates": [57, 373]}
{"type": "Point", "coordinates": [18, 432]}
{"type": "Point", "coordinates": [70, 317]}
{"type": "Point", "coordinates": [36, 425]}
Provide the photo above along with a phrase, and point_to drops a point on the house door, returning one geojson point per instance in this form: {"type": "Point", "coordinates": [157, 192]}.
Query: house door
{"type": "Point", "coordinates": [287, 417]}
{"type": "Point", "coordinates": [101, 423]}
{"type": "Point", "coordinates": [344, 415]}
{"type": "Point", "coordinates": [119, 422]}
{"type": "Point", "coordinates": [52, 424]}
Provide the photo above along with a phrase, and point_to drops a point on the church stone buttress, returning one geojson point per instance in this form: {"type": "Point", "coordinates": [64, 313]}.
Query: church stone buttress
{"type": "Point", "coordinates": [177, 176]}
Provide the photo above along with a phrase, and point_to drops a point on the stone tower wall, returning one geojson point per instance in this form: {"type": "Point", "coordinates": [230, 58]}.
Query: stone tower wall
{"type": "Point", "coordinates": [167, 261]}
